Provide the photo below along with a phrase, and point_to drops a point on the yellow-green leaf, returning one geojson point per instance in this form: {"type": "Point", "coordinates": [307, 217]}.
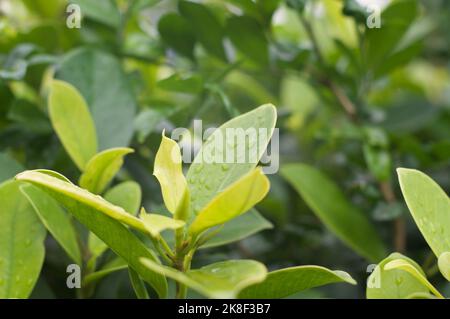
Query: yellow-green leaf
{"type": "Point", "coordinates": [102, 168]}
{"type": "Point", "coordinates": [285, 282]}
{"type": "Point", "coordinates": [156, 223]}
{"type": "Point", "coordinates": [236, 199]}
{"type": "Point", "coordinates": [429, 206]}
{"type": "Point", "coordinates": [411, 269]}
{"type": "Point", "coordinates": [168, 171]}
{"type": "Point", "coordinates": [393, 284]}
{"type": "Point", "coordinates": [21, 243]}
{"type": "Point", "coordinates": [103, 219]}
{"type": "Point", "coordinates": [72, 122]}
{"type": "Point", "coordinates": [219, 280]}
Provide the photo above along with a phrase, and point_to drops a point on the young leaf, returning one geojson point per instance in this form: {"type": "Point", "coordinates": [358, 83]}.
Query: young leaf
{"type": "Point", "coordinates": [429, 206]}
{"type": "Point", "coordinates": [72, 122]}
{"type": "Point", "coordinates": [444, 265]}
{"type": "Point", "coordinates": [285, 282]}
{"type": "Point", "coordinates": [102, 82]}
{"type": "Point", "coordinates": [206, 26]}
{"type": "Point", "coordinates": [103, 11]}
{"type": "Point", "coordinates": [21, 243]}
{"type": "Point", "coordinates": [82, 196]}
{"type": "Point", "coordinates": [412, 269]}
{"type": "Point", "coordinates": [219, 280]}
{"type": "Point", "coordinates": [248, 36]}
{"type": "Point", "coordinates": [102, 218]}
{"type": "Point", "coordinates": [239, 228]}
{"type": "Point", "coordinates": [208, 178]}
{"type": "Point", "coordinates": [55, 220]}
{"type": "Point", "coordinates": [155, 223]}
{"type": "Point", "coordinates": [236, 199]}
{"type": "Point", "coordinates": [138, 285]}
{"type": "Point", "coordinates": [168, 170]}
{"type": "Point", "coordinates": [329, 203]}
{"type": "Point", "coordinates": [102, 168]}
{"type": "Point", "coordinates": [393, 284]}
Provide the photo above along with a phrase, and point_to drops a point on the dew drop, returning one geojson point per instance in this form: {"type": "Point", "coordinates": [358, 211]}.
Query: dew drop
{"type": "Point", "coordinates": [225, 167]}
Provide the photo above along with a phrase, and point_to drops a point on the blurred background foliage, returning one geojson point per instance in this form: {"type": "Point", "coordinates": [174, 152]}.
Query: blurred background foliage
{"type": "Point", "coordinates": [352, 101]}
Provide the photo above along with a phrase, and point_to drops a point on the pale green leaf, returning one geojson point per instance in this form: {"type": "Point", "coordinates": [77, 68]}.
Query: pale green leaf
{"type": "Point", "coordinates": [55, 220]}
{"type": "Point", "coordinates": [138, 285]}
{"type": "Point", "coordinates": [21, 243]}
{"type": "Point", "coordinates": [393, 284]}
{"type": "Point", "coordinates": [219, 280]}
{"type": "Point", "coordinates": [103, 11]}
{"type": "Point", "coordinates": [155, 223]}
{"type": "Point", "coordinates": [239, 228]}
{"type": "Point", "coordinates": [102, 218]}
{"type": "Point", "coordinates": [444, 265]}
{"type": "Point", "coordinates": [168, 171]}
{"type": "Point", "coordinates": [329, 203]}
{"type": "Point", "coordinates": [72, 122]}
{"type": "Point", "coordinates": [206, 177]}
{"type": "Point", "coordinates": [285, 282]}
{"type": "Point", "coordinates": [429, 206]}
{"type": "Point", "coordinates": [235, 200]}
{"type": "Point", "coordinates": [402, 264]}
{"type": "Point", "coordinates": [102, 168]}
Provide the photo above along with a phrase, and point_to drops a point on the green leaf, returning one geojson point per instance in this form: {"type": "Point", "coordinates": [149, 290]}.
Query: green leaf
{"type": "Point", "coordinates": [9, 167]}
{"type": "Point", "coordinates": [285, 282]}
{"type": "Point", "coordinates": [412, 269]}
{"type": "Point", "coordinates": [155, 223]}
{"type": "Point", "coordinates": [103, 11]}
{"type": "Point", "coordinates": [102, 218]}
{"type": "Point", "coordinates": [184, 84]}
{"type": "Point", "coordinates": [247, 35]}
{"type": "Point", "coordinates": [235, 200]}
{"type": "Point", "coordinates": [102, 82]}
{"type": "Point", "coordinates": [55, 220]}
{"type": "Point", "coordinates": [168, 170]}
{"type": "Point", "coordinates": [208, 178]}
{"type": "Point", "coordinates": [239, 228]}
{"type": "Point", "coordinates": [126, 195]}
{"type": "Point", "coordinates": [177, 32]}
{"type": "Point", "coordinates": [207, 27]}
{"type": "Point", "coordinates": [329, 203]}
{"type": "Point", "coordinates": [72, 122]}
{"type": "Point", "coordinates": [219, 280]}
{"type": "Point", "coordinates": [444, 265]}
{"type": "Point", "coordinates": [138, 285]}
{"type": "Point", "coordinates": [21, 243]}
{"type": "Point", "coordinates": [429, 206]}
{"type": "Point", "coordinates": [395, 21]}
{"type": "Point", "coordinates": [82, 196]}
{"type": "Point", "coordinates": [393, 284]}
{"type": "Point", "coordinates": [378, 161]}
{"type": "Point", "coordinates": [102, 168]}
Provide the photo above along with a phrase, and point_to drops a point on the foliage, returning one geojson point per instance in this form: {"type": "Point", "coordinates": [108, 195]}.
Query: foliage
{"type": "Point", "coordinates": [86, 115]}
